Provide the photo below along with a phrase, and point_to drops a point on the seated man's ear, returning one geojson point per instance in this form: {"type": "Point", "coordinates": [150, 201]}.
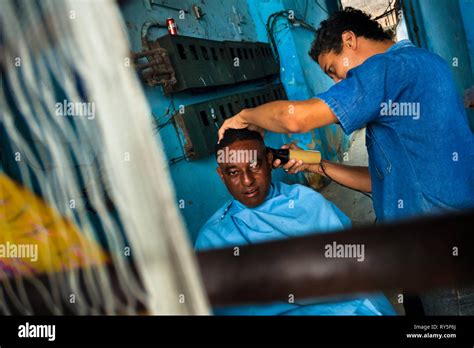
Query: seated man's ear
{"type": "Point", "coordinates": [221, 175]}
{"type": "Point", "coordinates": [270, 159]}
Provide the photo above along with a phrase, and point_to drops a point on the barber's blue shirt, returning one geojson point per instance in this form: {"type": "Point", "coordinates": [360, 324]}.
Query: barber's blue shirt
{"type": "Point", "coordinates": [421, 150]}
{"type": "Point", "coordinates": [288, 211]}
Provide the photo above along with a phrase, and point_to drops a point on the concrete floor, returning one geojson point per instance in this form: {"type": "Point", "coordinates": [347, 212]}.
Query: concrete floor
{"type": "Point", "coordinates": [354, 204]}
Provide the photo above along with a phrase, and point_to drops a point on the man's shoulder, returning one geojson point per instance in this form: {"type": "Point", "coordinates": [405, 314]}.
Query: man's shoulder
{"type": "Point", "coordinates": [316, 205]}
{"type": "Point", "coordinates": [218, 216]}
{"type": "Point", "coordinates": [211, 228]}
{"type": "Point", "coordinates": [407, 56]}
{"type": "Point", "coordinates": [291, 189]}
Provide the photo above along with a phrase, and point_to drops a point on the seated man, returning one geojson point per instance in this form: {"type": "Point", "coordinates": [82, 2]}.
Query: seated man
{"type": "Point", "coordinates": [262, 211]}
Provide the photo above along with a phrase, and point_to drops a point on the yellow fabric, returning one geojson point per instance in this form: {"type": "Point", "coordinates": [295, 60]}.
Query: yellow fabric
{"type": "Point", "coordinates": [25, 219]}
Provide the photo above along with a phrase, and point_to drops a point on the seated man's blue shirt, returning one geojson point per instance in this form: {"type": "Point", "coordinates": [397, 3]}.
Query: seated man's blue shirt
{"type": "Point", "coordinates": [288, 211]}
{"type": "Point", "coordinates": [421, 150]}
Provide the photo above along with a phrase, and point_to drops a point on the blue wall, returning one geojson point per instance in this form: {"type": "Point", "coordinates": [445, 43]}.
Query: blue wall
{"type": "Point", "coordinates": [301, 76]}
{"type": "Point", "coordinates": [467, 12]}
{"type": "Point", "coordinates": [196, 182]}
{"type": "Point", "coordinates": [446, 27]}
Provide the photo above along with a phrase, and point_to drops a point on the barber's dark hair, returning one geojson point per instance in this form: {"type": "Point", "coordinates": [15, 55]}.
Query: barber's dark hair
{"type": "Point", "coordinates": [232, 135]}
{"type": "Point", "coordinates": [329, 34]}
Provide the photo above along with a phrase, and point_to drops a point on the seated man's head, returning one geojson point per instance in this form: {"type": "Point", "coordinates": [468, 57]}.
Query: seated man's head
{"type": "Point", "coordinates": [245, 167]}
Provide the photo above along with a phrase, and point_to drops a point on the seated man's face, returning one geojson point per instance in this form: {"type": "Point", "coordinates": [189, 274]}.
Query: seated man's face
{"type": "Point", "coordinates": [247, 173]}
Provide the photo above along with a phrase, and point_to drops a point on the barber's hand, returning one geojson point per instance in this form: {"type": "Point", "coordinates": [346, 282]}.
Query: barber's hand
{"type": "Point", "coordinates": [237, 122]}
{"type": "Point", "coordinates": [292, 166]}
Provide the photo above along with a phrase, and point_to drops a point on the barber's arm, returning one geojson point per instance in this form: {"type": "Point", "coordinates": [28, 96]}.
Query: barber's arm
{"type": "Point", "coordinates": [355, 177]}
{"type": "Point", "coordinates": [282, 116]}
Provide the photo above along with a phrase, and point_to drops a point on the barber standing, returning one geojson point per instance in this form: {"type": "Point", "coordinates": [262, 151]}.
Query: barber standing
{"type": "Point", "coordinates": [420, 147]}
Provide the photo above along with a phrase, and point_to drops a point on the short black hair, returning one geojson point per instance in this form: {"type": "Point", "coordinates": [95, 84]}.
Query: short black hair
{"type": "Point", "coordinates": [329, 34]}
{"type": "Point", "coordinates": [232, 135]}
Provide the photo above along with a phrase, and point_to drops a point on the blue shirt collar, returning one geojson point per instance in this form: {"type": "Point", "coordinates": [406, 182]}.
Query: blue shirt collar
{"type": "Point", "coordinates": [400, 44]}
